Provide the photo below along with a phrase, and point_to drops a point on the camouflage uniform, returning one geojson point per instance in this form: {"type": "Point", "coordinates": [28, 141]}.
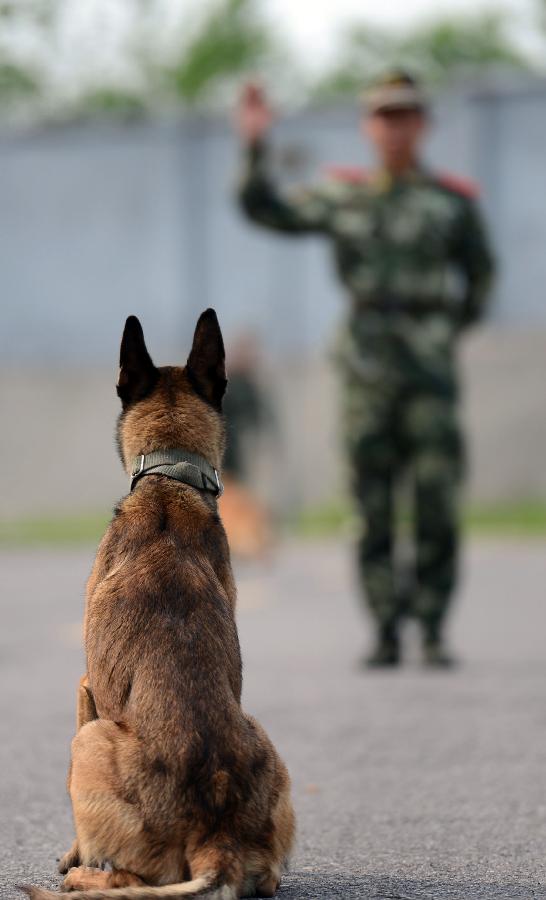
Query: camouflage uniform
{"type": "Point", "coordinates": [245, 411]}
{"type": "Point", "coordinates": [413, 257]}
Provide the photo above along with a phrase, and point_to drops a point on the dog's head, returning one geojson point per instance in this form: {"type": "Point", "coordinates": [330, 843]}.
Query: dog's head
{"type": "Point", "coordinates": [170, 407]}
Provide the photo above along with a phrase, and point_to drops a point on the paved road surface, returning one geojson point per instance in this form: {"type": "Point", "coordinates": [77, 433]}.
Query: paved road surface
{"type": "Point", "coordinates": [407, 784]}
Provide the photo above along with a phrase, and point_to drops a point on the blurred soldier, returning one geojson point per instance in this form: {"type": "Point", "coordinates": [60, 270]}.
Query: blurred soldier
{"type": "Point", "coordinates": [246, 408]}
{"type": "Point", "coordinates": [247, 412]}
{"type": "Point", "coordinates": [412, 253]}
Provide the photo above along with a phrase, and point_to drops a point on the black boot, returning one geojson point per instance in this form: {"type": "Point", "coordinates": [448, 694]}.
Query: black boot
{"type": "Point", "coordinates": [435, 653]}
{"type": "Point", "coordinates": [387, 650]}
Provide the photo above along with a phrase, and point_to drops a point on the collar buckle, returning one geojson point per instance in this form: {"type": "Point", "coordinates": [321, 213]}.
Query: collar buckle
{"type": "Point", "coordinates": [138, 467]}
{"type": "Point", "coordinates": [219, 484]}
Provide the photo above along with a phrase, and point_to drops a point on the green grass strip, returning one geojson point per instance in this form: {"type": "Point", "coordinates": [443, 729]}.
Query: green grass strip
{"type": "Point", "coordinates": [525, 519]}
{"type": "Point", "coordinates": [46, 531]}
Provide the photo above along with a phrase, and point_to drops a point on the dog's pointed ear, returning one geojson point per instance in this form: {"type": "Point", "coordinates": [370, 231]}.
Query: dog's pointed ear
{"type": "Point", "coordinates": [137, 373]}
{"type": "Point", "coordinates": [206, 366]}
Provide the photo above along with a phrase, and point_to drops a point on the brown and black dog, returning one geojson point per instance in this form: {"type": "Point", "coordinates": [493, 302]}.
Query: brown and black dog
{"type": "Point", "coordinates": [171, 783]}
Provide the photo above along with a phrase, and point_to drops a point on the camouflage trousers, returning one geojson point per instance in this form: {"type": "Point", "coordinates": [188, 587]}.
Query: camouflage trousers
{"type": "Point", "coordinates": [406, 428]}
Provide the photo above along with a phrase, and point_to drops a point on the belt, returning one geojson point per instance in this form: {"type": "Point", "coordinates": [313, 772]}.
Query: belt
{"type": "Point", "coordinates": [394, 304]}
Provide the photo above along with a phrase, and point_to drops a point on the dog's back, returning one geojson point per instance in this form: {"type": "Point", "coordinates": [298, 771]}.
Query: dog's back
{"type": "Point", "coordinates": [172, 780]}
{"type": "Point", "coordinates": [161, 639]}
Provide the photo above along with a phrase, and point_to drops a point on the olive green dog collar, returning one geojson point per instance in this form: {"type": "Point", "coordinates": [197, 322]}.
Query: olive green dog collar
{"type": "Point", "coordinates": [189, 468]}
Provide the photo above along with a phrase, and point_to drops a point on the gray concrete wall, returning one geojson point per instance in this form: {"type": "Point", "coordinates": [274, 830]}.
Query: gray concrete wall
{"type": "Point", "coordinates": [99, 221]}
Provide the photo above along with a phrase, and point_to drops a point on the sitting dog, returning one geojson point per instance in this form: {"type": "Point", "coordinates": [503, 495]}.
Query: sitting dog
{"type": "Point", "coordinates": [172, 784]}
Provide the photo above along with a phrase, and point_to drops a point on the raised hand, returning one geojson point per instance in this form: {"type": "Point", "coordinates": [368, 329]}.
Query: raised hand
{"type": "Point", "coordinates": [254, 114]}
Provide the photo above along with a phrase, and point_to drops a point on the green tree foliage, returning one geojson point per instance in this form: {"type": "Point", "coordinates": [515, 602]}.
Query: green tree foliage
{"type": "Point", "coordinates": [113, 102]}
{"type": "Point", "coordinates": [216, 44]}
{"type": "Point", "coordinates": [437, 51]}
{"type": "Point", "coordinates": [454, 46]}
{"type": "Point", "coordinates": [16, 83]}
{"type": "Point", "coordinates": [231, 40]}
{"type": "Point", "coordinates": [39, 12]}
{"type": "Point", "coordinates": [20, 81]}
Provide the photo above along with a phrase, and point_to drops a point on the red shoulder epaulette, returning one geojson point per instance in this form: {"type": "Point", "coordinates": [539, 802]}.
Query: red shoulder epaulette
{"type": "Point", "coordinates": [348, 174]}
{"type": "Point", "coordinates": [464, 186]}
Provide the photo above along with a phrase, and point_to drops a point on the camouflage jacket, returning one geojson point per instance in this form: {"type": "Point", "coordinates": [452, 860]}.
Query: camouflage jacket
{"type": "Point", "coordinates": [413, 243]}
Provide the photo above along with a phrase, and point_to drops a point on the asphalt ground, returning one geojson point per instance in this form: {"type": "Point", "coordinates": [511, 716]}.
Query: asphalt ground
{"type": "Point", "coordinates": [407, 784]}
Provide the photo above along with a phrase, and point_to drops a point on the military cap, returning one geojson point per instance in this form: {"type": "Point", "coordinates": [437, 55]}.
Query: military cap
{"type": "Point", "coordinates": [395, 90]}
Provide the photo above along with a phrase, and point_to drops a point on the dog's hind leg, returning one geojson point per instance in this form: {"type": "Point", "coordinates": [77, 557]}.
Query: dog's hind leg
{"type": "Point", "coordinates": [110, 825]}
{"type": "Point", "coordinates": [85, 712]}
{"type": "Point", "coordinates": [105, 822]}
{"type": "Point", "coordinates": [215, 861]}
{"type": "Point", "coordinates": [263, 866]}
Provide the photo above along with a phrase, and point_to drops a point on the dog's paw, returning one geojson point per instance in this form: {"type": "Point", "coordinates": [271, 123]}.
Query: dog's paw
{"type": "Point", "coordinates": [85, 878]}
{"type": "Point", "coordinates": [70, 859]}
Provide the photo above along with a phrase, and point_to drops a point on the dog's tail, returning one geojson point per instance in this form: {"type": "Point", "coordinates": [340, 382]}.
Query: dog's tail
{"type": "Point", "coordinates": [207, 887]}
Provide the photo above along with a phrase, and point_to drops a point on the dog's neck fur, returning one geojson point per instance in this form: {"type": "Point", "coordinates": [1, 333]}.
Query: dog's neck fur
{"type": "Point", "coordinates": [156, 490]}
